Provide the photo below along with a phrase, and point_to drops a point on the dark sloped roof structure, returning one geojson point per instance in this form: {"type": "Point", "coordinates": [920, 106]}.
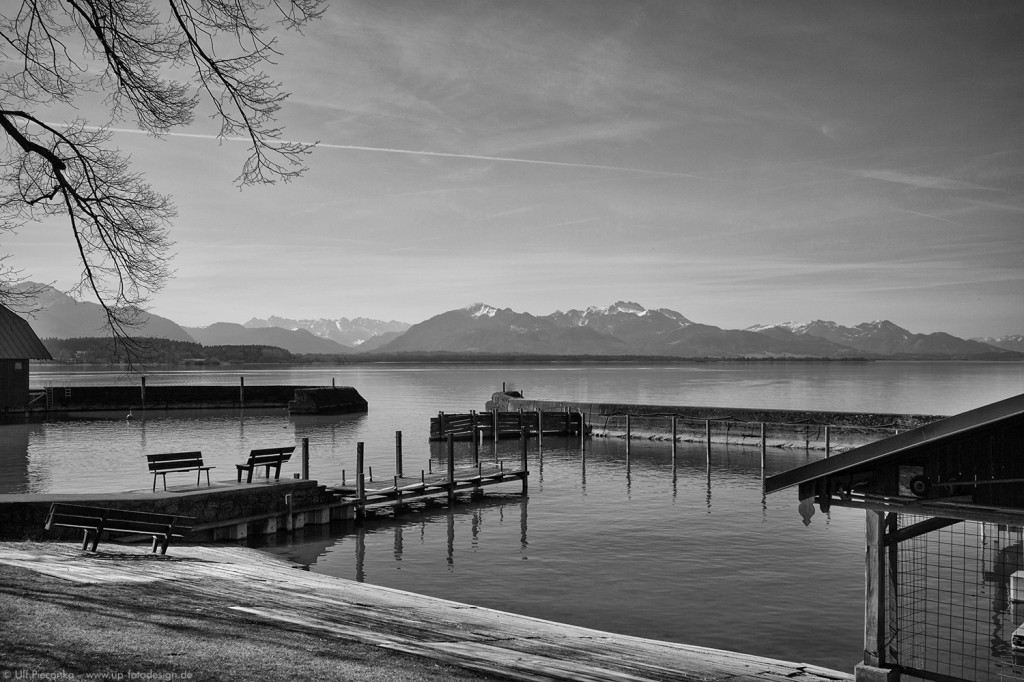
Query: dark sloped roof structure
{"type": "Point", "coordinates": [970, 465]}
{"type": "Point", "coordinates": [17, 340]}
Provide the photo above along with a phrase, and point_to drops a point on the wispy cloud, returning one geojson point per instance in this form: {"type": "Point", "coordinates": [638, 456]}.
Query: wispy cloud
{"type": "Point", "coordinates": [443, 155]}
{"type": "Point", "coordinates": [921, 181]}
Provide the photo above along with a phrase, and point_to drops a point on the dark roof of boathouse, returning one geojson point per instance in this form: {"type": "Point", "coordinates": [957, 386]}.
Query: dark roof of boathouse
{"type": "Point", "coordinates": [956, 467]}
{"type": "Point", "coordinates": [17, 340]}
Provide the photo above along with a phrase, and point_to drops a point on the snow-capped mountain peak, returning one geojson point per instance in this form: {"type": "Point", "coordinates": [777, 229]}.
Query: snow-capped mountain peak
{"type": "Point", "coordinates": [481, 310]}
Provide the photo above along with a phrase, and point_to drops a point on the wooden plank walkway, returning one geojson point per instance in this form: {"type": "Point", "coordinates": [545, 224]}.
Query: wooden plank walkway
{"type": "Point", "coordinates": [474, 638]}
{"type": "Point", "coordinates": [399, 490]}
{"type": "Point", "coordinates": [473, 425]}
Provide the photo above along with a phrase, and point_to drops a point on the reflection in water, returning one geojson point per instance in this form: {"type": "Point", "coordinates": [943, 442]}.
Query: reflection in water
{"type": "Point", "coordinates": [14, 463]}
{"type": "Point", "coordinates": [662, 562]}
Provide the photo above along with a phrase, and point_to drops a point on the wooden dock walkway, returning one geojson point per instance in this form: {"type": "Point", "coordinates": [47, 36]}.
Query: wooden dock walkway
{"type": "Point", "coordinates": [397, 491]}
{"type": "Point", "coordinates": [252, 586]}
{"type": "Point", "coordinates": [496, 424]}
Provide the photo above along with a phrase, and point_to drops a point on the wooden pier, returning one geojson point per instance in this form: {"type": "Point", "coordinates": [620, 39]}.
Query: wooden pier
{"type": "Point", "coordinates": [399, 491]}
{"type": "Point", "coordinates": [497, 424]}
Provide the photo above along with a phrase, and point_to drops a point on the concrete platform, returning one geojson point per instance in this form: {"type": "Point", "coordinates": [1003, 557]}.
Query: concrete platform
{"type": "Point", "coordinates": [470, 637]}
{"type": "Point", "coordinates": [225, 509]}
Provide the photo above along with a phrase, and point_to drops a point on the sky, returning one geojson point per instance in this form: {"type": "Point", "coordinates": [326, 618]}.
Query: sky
{"type": "Point", "coordinates": [740, 162]}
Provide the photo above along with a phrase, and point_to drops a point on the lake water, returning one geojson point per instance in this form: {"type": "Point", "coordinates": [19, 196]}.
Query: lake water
{"type": "Point", "coordinates": [693, 553]}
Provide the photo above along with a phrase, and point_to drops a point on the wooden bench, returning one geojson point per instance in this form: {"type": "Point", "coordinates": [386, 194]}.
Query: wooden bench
{"type": "Point", "coordinates": [173, 462]}
{"type": "Point", "coordinates": [265, 457]}
{"type": "Point", "coordinates": [95, 520]}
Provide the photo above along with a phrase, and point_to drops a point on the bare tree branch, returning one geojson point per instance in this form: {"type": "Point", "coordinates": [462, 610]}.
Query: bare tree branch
{"type": "Point", "coordinates": [67, 49]}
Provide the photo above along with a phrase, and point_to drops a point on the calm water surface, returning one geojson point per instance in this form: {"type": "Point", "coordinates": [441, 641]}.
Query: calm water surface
{"type": "Point", "coordinates": [692, 553]}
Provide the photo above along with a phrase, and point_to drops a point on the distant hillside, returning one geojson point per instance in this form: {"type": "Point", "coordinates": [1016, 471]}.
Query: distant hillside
{"type": "Point", "coordinates": [883, 338]}
{"type": "Point", "coordinates": [64, 318]}
{"type": "Point", "coordinates": [1014, 342]}
{"type": "Point", "coordinates": [623, 329]}
{"type": "Point", "coordinates": [298, 341]}
{"type": "Point", "coordinates": [353, 333]}
{"type": "Point", "coordinates": [480, 328]}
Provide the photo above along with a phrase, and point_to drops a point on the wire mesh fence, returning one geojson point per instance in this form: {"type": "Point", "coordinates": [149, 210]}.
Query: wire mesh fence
{"type": "Point", "coordinates": [952, 608]}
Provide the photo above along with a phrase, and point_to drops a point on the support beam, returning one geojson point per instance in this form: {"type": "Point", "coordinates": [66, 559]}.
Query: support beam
{"type": "Point", "coordinates": [874, 590]}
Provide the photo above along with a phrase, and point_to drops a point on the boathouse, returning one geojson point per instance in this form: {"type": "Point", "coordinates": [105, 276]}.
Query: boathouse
{"type": "Point", "coordinates": [18, 345]}
{"type": "Point", "coordinates": [944, 558]}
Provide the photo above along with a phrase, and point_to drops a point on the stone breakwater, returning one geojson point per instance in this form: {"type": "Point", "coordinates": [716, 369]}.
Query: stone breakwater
{"type": "Point", "coordinates": [809, 429]}
{"type": "Point", "coordinates": [308, 399]}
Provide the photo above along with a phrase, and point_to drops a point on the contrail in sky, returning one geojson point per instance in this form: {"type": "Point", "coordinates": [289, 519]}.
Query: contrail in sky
{"type": "Point", "coordinates": [445, 155]}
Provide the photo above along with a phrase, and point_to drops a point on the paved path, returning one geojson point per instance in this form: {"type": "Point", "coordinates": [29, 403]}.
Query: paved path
{"type": "Point", "coordinates": [474, 638]}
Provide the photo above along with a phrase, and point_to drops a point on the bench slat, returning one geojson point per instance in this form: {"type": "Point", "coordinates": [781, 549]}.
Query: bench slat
{"type": "Point", "coordinates": [164, 463]}
{"type": "Point", "coordinates": [95, 520]}
{"type": "Point", "coordinates": [272, 451]}
{"type": "Point", "coordinates": [266, 457]}
{"type": "Point", "coordinates": [162, 457]}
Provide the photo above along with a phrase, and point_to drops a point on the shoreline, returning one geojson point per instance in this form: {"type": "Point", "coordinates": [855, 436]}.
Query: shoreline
{"type": "Point", "coordinates": [215, 612]}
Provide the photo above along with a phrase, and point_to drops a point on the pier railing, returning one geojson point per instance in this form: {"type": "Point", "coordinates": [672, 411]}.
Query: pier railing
{"type": "Point", "coordinates": [498, 424]}
{"type": "Point", "coordinates": [363, 492]}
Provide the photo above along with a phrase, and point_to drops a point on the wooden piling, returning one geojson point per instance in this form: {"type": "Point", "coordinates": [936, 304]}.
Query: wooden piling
{"type": "Point", "coordinates": [305, 459]}
{"type": "Point", "coordinates": [629, 435]}
{"type": "Point", "coordinates": [451, 471]}
{"type": "Point", "coordinates": [361, 494]}
{"type": "Point", "coordinates": [241, 391]}
{"type": "Point", "coordinates": [476, 446]}
{"type": "Point", "coordinates": [674, 440]}
{"type": "Point", "coordinates": [828, 440]}
{"type": "Point", "coordinates": [398, 453]}
{"type": "Point", "coordinates": [494, 422]}
{"type": "Point", "coordinates": [143, 392]}
{"type": "Point", "coordinates": [764, 450]}
{"type": "Point", "coordinates": [540, 428]}
{"type": "Point", "coordinates": [707, 438]}
{"type": "Point", "coordinates": [360, 483]}
{"type": "Point", "coordinates": [440, 426]}
{"type": "Point", "coordinates": [524, 437]}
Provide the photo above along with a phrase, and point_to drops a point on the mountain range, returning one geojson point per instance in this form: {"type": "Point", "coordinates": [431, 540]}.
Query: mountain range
{"type": "Point", "coordinates": [621, 329]}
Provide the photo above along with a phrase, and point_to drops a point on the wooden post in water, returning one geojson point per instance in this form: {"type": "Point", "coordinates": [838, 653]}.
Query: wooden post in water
{"type": "Point", "coordinates": [241, 391]}
{"type": "Point", "coordinates": [494, 421]}
{"type": "Point", "coordinates": [143, 392]}
{"type": "Point", "coordinates": [828, 440]}
{"type": "Point", "coordinates": [674, 440]}
{"type": "Point", "coordinates": [764, 450]}
{"type": "Point", "coordinates": [360, 483]}
{"type": "Point", "coordinates": [359, 460]}
{"type": "Point", "coordinates": [540, 428]}
{"type": "Point", "coordinates": [629, 434]}
{"type": "Point", "coordinates": [476, 446]}
{"type": "Point", "coordinates": [707, 437]}
{"type": "Point", "coordinates": [305, 459]}
{"type": "Point", "coordinates": [451, 471]}
{"type": "Point", "coordinates": [440, 426]}
{"type": "Point", "coordinates": [583, 430]}
{"type": "Point", "coordinates": [398, 454]}
{"type": "Point", "coordinates": [523, 466]}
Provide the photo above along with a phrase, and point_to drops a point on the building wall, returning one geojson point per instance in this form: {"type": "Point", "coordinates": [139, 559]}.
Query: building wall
{"type": "Point", "coordinates": [13, 385]}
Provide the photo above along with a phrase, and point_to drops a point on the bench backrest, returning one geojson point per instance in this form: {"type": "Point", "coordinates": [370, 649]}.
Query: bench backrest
{"type": "Point", "coordinates": [174, 460]}
{"type": "Point", "coordinates": [270, 455]}
{"type": "Point", "coordinates": [81, 516]}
